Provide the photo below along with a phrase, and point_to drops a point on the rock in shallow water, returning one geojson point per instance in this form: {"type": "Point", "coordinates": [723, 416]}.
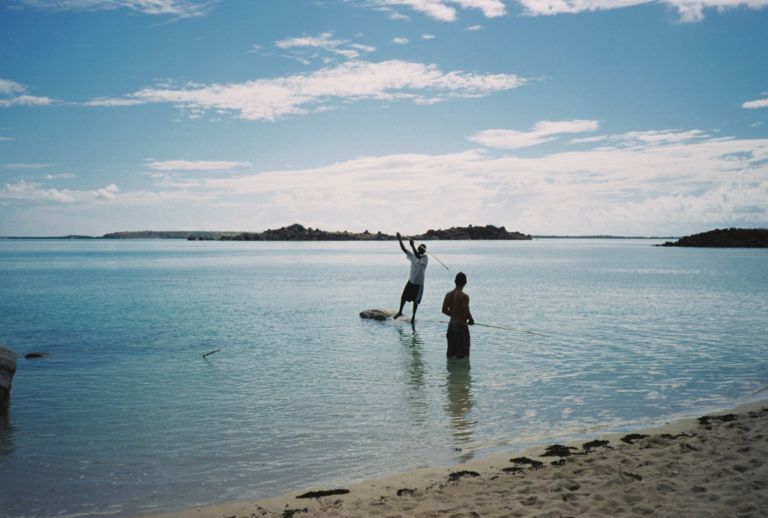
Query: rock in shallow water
{"type": "Point", "coordinates": [377, 314]}
{"type": "Point", "coordinates": [7, 370]}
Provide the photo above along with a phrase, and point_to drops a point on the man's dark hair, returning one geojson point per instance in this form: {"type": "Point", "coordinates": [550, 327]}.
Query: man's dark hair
{"type": "Point", "coordinates": [461, 279]}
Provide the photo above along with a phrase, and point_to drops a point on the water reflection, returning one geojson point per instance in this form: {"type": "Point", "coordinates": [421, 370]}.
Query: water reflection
{"type": "Point", "coordinates": [415, 369]}
{"type": "Point", "coordinates": [459, 404]}
{"type": "Point", "coordinates": [415, 373]}
{"type": "Point", "coordinates": [6, 434]}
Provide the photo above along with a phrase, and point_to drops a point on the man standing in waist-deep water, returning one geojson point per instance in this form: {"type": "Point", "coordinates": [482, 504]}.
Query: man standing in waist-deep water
{"type": "Point", "coordinates": [456, 306]}
{"type": "Point", "coordinates": [414, 288]}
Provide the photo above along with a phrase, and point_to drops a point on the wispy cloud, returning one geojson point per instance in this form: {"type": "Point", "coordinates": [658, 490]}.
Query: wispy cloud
{"type": "Point", "coordinates": [8, 87]}
{"type": "Point", "coordinates": [15, 94]}
{"type": "Point", "coordinates": [270, 99]}
{"type": "Point", "coordinates": [542, 132]}
{"type": "Point", "coordinates": [177, 8]}
{"type": "Point", "coordinates": [194, 165]}
{"type": "Point", "coordinates": [756, 104]}
{"type": "Point", "coordinates": [400, 41]}
{"type": "Point", "coordinates": [324, 42]}
{"type": "Point", "coordinates": [664, 182]}
{"type": "Point", "coordinates": [445, 10]}
{"type": "Point", "coordinates": [24, 190]}
{"type": "Point", "coordinates": [688, 10]}
{"type": "Point", "coordinates": [32, 165]}
{"type": "Point", "coordinates": [648, 188]}
{"type": "Point", "coordinates": [645, 138]}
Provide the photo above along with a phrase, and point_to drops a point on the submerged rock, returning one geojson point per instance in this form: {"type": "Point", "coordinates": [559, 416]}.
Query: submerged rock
{"type": "Point", "coordinates": [7, 370]}
{"type": "Point", "coordinates": [35, 356]}
{"type": "Point", "coordinates": [377, 314]}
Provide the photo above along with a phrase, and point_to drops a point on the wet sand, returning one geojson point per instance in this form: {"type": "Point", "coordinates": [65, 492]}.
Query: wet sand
{"type": "Point", "coordinates": [713, 466]}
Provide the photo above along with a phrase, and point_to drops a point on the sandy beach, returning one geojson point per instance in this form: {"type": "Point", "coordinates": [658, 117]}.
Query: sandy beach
{"type": "Point", "coordinates": [714, 466]}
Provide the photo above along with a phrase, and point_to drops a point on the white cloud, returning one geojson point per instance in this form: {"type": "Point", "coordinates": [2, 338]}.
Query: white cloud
{"type": "Point", "coordinates": [542, 132]}
{"type": "Point", "coordinates": [651, 182]}
{"type": "Point", "coordinates": [111, 103]}
{"type": "Point", "coordinates": [400, 41]}
{"type": "Point", "coordinates": [326, 42]}
{"type": "Point", "coordinates": [32, 165]}
{"type": "Point", "coordinates": [8, 87]}
{"type": "Point", "coordinates": [427, 36]}
{"type": "Point", "coordinates": [31, 191]}
{"type": "Point", "coordinates": [14, 94]}
{"type": "Point", "coordinates": [644, 138]}
{"type": "Point", "coordinates": [688, 10]}
{"type": "Point", "coordinates": [754, 105]}
{"type": "Point", "coordinates": [270, 99]}
{"type": "Point", "coordinates": [194, 165]}
{"type": "Point", "coordinates": [24, 190]}
{"type": "Point", "coordinates": [178, 8]}
{"type": "Point", "coordinates": [107, 193]}
{"type": "Point", "coordinates": [445, 11]}
{"type": "Point", "coordinates": [661, 137]}
{"type": "Point", "coordinates": [651, 188]}
{"type": "Point", "coordinates": [475, 28]}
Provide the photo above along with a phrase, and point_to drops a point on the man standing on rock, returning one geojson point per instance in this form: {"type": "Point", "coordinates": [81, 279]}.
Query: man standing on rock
{"type": "Point", "coordinates": [456, 306]}
{"type": "Point", "coordinates": [414, 288]}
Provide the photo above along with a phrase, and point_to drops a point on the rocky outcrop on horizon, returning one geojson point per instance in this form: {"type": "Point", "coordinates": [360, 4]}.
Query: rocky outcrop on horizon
{"type": "Point", "coordinates": [725, 238]}
{"type": "Point", "coordinates": [488, 232]}
{"type": "Point", "coordinates": [192, 235]}
{"type": "Point", "coordinates": [297, 232]}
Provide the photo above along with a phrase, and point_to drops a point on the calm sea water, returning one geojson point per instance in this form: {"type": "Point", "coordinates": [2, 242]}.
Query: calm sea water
{"type": "Point", "coordinates": [125, 416]}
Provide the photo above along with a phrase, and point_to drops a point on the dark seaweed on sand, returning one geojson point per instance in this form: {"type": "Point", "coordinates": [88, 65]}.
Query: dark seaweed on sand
{"type": "Point", "coordinates": [320, 494]}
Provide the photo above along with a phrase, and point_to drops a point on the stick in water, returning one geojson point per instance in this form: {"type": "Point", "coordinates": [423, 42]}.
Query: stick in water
{"type": "Point", "coordinates": [210, 353]}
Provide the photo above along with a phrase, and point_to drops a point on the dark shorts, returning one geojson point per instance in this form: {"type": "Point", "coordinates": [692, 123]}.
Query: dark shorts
{"type": "Point", "coordinates": [458, 341]}
{"type": "Point", "coordinates": [412, 292]}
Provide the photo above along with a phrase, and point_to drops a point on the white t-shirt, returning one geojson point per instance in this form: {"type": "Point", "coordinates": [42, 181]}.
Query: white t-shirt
{"type": "Point", "coordinates": [418, 267]}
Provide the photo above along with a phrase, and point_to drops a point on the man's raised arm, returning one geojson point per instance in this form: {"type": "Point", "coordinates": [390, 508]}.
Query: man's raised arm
{"type": "Point", "coordinates": [402, 246]}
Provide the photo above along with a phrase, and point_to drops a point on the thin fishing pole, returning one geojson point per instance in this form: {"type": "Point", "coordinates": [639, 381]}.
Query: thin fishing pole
{"type": "Point", "coordinates": [432, 255]}
{"type": "Point", "coordinates": [438, 260]}
{"type": "Point", "coordinates": [526, 331]}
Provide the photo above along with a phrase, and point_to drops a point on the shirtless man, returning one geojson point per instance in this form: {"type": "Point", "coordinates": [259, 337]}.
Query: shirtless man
{"type": "Point", "coordinates": [414, 288]}
{"type": "Point", "coordinates": [456, 306]}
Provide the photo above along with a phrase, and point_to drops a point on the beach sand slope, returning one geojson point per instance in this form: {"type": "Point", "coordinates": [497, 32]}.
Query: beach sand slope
{"type": "Point", "coordinates": [714, 466]}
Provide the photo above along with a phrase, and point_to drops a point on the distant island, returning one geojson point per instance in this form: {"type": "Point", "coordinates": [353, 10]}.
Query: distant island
{"type": "Point", "coordinates": [298, 232]}
{"type": "Point", "coordinates": [725, 238]}
{"type": "Point", "coordinates": [169, 234]}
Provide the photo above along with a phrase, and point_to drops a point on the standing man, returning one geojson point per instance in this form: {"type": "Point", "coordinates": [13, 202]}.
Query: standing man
{"type": "Point", "coordinates": [456, 306]}
{"type": "Point", "coordinates": [414, 288]}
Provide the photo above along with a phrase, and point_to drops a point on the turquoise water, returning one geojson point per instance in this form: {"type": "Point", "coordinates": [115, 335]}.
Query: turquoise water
{"type": "Point", "coordinates": [125, 417]}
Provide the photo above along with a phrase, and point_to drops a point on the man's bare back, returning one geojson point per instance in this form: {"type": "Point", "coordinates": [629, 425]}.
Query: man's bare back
{"type": "Point", "coordinates": [456, 306]}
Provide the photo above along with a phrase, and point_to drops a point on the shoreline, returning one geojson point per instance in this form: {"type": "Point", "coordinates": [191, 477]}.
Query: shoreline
{"type": "Point", "coordinates": [712, 465]}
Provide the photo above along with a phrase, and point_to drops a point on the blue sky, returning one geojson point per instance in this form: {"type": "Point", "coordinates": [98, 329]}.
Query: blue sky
{"type": "Point", "coordinates": [545, 116]}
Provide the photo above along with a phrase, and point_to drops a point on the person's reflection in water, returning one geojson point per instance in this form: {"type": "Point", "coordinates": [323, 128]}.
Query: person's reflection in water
{"type": "Point", "coordinates": [459, 404]}
{"type": "Point", "coordinates": [415, 374]}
